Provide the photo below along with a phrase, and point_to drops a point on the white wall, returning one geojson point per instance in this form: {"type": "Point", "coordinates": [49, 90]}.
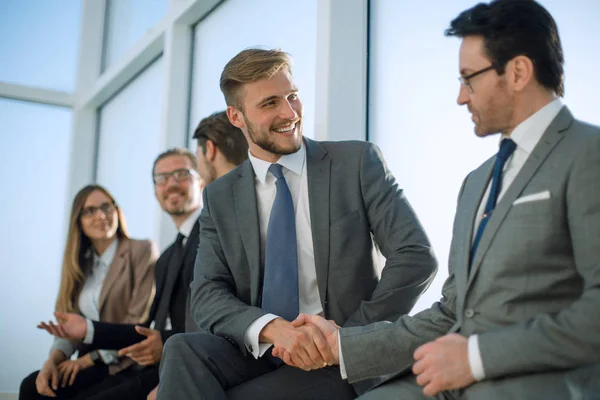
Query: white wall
{"type": "Point", "coordinates": [428, 141]}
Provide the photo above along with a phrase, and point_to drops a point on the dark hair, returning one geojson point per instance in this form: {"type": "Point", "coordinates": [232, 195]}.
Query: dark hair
{"type": "Point", "coordinates": [177, 151]}
{"type": "Point", "coordinates": [512, 28]}
{"type": "Point", "coordinates": [228, 138]}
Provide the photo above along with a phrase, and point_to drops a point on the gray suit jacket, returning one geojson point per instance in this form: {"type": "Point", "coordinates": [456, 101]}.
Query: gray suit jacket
{"type": "Point", "coordinates": [532, 293]}
{"type": "Point", "coordinates": [353, 198]}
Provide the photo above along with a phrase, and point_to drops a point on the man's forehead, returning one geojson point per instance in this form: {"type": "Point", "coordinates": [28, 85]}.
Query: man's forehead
{"type": "Point", "coordinates": [172, 162]}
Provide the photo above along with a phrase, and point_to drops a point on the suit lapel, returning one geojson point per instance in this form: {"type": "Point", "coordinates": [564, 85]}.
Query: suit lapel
{"type": "Point", "coordinates": [114, 271]}
{"type": "Point", "coordinates": [465, 218]}
{"type": "Point", "coordinates": [246, 212]}
{"type": "Point", "coordinates": [547, 142]}
{"type": "Point", "coordinates": [318, 168]}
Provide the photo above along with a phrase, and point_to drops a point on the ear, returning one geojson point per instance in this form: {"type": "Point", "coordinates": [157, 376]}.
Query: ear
{"type": "Point", "coordinates": [521, 72]}
{"type": "Point", "coordinates": [211, 150]}
{"type": "Point", "coordinates": [235, 117]}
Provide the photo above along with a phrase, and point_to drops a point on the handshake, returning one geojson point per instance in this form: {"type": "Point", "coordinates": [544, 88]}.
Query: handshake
{"type": "Point", "coordinates": [309, 342]}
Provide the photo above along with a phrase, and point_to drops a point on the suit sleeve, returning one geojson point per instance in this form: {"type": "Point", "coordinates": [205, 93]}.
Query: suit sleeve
{"type": "Point", "coordinates": [385, 348]}
{"type": "Point", "coordinates": [143, 284]}
{"type": "Point", "coordinates": [569, 338]}
{"type": "Point", "coordinates": [114, 336]}
{"type": "Point", "coordinates": [410, 264]}
{"type": "Point", "coordinates": [215, 306]}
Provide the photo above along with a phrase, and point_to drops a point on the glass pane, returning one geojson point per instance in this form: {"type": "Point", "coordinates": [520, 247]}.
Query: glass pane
{"type": "Point", "coordinates": [429, 142]}
{"type": "Point", "coordinates": [230, 20]}
{"type": "Point", "coordinates": [130, 139]}
{"type": "Point", "coordinates": [127, 21]}
{"type": "Point", "coordinates": [34, 160]}
{"type": "Point", "coordinates": [39, 40]}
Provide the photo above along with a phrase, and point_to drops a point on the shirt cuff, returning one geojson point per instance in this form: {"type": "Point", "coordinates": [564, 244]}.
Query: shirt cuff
{"type": "Point", "coordinates": [342, 366]}
{"type": "Point", "coordinates": [89, 332]}
{"type": "Point", "coordinates": [253, 332]}
{"type": "Point", "coordinates": [475, 361]}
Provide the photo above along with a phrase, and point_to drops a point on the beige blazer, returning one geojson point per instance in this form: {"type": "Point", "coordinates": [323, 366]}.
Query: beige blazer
{"type": "Point", "coordinates": [127, 291]}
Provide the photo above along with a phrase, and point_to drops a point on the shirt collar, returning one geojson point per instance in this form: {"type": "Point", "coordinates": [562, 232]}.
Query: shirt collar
{"type": "Point", "coordinates": [109, 254]}
{"type": "Point", "coordinates": [528, 133]}
{"type": "Point", "coordinates": [294, 162]}
{"type": "Point", "coordinates": [186, 228]}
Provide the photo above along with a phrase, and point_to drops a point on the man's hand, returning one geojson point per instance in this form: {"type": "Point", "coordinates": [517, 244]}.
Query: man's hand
{"type": "Point", "coordinates": [305, 346]}
{"type": "Point", "coordinates": [148, 351]}
{"type": "Point", "coordinates": [152, 394]}
{"type": "Point", "coordinates": [69, 369]}
{"type": "Point", "coordinates": [443, 365]}
{"type": "Point", "coordinates": [47, 376]}
{"type": "Point", "coordinates": [70, 326]}
{"type": "Point", "coordinates": [320, 328]}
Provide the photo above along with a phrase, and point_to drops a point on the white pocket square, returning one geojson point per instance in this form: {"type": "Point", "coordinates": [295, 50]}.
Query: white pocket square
{"type": "Point", "coordinates": [533, 197]}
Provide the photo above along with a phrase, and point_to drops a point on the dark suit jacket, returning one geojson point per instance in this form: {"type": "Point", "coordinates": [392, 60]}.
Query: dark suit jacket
{"type": "Point", "coordinates": [353, 198]}
{"type": "Point", "coordinates": [117, 336]}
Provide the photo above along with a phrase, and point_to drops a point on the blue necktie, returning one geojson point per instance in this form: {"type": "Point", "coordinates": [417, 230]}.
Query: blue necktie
{"type": "Point", "coordinates": [280, 284]}
{"type": "Point", "coordinates": [507, 147]}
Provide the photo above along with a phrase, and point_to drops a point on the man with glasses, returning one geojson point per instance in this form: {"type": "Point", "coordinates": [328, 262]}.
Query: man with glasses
{"type": "Point", "coordinates": [520, 316]}
{"type": "Point", "coordinates": [178, 176]}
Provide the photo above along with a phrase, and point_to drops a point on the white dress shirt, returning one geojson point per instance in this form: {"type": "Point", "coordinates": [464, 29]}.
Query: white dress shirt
{"type": "Point", "coordinates": [294, 171]}
{"type": "Point", "coordinates": [89, 298]}
{"type": "Point", "coordinates": [186, 228]}
{"type": "Point", "coordinates": [526, 136]}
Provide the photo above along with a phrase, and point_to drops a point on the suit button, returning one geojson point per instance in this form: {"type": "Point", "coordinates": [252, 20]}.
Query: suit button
{"type": "Point", "coordinates": [469, 313]}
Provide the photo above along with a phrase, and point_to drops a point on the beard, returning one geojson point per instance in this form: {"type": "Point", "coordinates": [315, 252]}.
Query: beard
{"type": "Point", "coordinates": [266, 141]}
{"type": "Point", "coordinates": [180, 208]}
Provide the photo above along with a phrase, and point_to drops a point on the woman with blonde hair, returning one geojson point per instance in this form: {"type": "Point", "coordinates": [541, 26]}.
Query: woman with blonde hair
{"type": "Point", "coordinates": [106, 276]}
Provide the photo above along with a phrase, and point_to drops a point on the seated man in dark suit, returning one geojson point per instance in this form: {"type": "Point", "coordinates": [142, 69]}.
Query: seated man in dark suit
{"type": "Point", "coordinates": [292, 229]}
{"type": "Point", "coordinates": [177, 177]}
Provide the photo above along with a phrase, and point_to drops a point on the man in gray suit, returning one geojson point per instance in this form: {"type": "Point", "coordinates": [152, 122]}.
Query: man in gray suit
{"type": "Point", "coordinates": [520, 312]}
{"type": "Point", "coordinates": [327, 202]}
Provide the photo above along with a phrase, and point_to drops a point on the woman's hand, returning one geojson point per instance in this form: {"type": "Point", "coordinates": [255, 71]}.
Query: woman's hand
{"type": "Point", "coordinates": [69, 369]}
{"type": "Point", "coordinates": [47, 376]}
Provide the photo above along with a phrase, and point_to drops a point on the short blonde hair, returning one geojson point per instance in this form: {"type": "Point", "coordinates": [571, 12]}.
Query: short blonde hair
{"type": "Point", "coordinates": [248, 66]}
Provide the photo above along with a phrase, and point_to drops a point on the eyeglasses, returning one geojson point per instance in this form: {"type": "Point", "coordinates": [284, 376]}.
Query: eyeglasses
{"type": "Point", "coordinates": [180, 175]}
{"type": "Point", "coordinates": [466, 80]}
{"type": "Point", "coordinates": [106, 208]}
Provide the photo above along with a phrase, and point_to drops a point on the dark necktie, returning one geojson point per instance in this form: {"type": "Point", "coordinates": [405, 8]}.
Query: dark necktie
{"type": "Point", "coordinates": [280, 284]}
{"type": "Point", "coordinates": [170, 276]}
{"type": "Point", "coordinates": [507, 147]}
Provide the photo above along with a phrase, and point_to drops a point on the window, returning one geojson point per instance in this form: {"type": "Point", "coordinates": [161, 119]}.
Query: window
{"type": "Point", "coordinates": [129, 141]}
{"type": "Point", "coordinates": [36, 143]}
{"type": "Point", "coordinates": [126, 23]}
{"type": "Point", "coordinates": [39, 43]}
